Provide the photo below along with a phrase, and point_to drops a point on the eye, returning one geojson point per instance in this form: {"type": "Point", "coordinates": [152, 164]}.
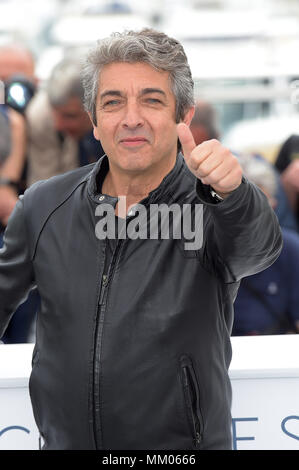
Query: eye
{"type": "Point", "coordinates": [111, 103]}
{"type": "Point", "coordinates": [153, 100]}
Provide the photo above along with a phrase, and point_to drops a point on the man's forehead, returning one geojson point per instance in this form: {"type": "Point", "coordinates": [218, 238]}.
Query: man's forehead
{"type": "Point", "coordinates": [123, 75]}
{"type": "Point", "coordinates": [12, 62]}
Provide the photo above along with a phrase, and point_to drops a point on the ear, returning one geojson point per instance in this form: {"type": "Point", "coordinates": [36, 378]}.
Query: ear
{"type": "Point", "coordinates": [95, 128]}
{"type": "Point", "coordinates": [189, 116]}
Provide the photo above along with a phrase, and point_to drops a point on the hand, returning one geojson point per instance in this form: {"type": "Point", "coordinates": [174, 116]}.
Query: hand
{"type": "Point", "coordinates": [212, 163]}
{"type": "Point", "coordinates": [8, 199]}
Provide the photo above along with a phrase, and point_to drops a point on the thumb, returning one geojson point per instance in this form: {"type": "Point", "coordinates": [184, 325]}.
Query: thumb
{"type": "Point", "coordinates": [186, 139]}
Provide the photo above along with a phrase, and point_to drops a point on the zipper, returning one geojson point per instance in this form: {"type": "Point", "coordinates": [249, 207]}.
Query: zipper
{"type": "Point", "coordinates": [192, 399]}
{"type": "Point", "coordinates": [105, 281]}
{"type": "Point", "coordinates": [106, 278]}
{"type": "Point", "coordinates": [104, 284]}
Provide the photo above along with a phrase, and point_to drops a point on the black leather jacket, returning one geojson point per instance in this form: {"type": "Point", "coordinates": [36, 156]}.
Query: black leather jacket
{"type": "Point", "coordinates": [141, 360]}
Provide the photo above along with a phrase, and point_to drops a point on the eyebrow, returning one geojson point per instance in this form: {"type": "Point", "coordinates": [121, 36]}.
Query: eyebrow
{"type": "Point", "coordinates": [145, 91]}
{"type": "Point", "coordinates": [109, 93]}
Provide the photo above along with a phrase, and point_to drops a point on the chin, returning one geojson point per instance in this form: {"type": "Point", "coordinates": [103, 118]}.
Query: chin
{"type": "Point", "coordinates": [134, 168]}
{"type": "Point", "coordinates": [135, 163]}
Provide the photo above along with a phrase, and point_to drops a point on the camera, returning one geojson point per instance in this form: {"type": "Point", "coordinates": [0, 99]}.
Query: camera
{"type": "Point", "coordinates": [18, 92]}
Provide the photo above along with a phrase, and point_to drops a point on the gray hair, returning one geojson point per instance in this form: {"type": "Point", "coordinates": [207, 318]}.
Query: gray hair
{"type": "Point", "coordinates": [65, 82]}
{"type": "Point", "coordinates": [260, 172]}
{"type": "Point", "coordinates": [149, 46]}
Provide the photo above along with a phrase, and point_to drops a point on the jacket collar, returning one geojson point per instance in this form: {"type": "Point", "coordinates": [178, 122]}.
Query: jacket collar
{"type": "Point", "coordinates": [160, 194]}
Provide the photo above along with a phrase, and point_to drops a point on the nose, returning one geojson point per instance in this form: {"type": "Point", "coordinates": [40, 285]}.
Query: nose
{"type": "Point", "coordinates": [133, 117]}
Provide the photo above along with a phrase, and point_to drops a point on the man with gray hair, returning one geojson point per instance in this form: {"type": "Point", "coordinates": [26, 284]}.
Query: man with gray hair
{"type": "Point", "coordinates": [60, 133]}
{"type": "Point", "coordinates": [133, 335]}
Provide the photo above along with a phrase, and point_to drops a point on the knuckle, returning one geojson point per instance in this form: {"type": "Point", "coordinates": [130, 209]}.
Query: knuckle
{"type": "Point", "coordinates": [193, 162]}
{"type": "Point", "coordinates": [213, 180]}
{"type": "Point", "coordinates": [227, 154]}
{"type": "Point", "coordinates": [203, 169]}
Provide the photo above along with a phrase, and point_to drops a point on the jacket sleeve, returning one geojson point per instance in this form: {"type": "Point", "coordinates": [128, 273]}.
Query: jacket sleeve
{"type": "Point", "coordinates": [16, 271]}
{"type": "Point", "coordinates": [241, 234]}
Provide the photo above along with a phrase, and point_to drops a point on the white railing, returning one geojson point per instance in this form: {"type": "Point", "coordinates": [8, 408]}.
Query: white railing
{"type": "Point", "coordinates": [265, 379]}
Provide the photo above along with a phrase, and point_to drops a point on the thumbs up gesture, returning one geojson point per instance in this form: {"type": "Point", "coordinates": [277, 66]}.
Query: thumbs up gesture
{"type": "Point", "coordinates": [212, 163]}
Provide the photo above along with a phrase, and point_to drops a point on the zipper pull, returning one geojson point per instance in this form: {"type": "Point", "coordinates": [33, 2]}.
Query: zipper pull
{"type": "Point", "coordinates": [103, 286]}
{"type": "Point", "coordinates": [197, 438]}
{"type": "Point", "coordinates": [185, 377]}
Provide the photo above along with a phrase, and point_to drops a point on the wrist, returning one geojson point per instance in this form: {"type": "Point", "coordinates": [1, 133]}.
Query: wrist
{"type": "Point", "coordinates": [220, 195]}
{"type": "Point", "coordinates": [216, 195]}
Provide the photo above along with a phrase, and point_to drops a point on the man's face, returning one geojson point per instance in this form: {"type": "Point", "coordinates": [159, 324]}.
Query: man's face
{"type": "Point", "coordinates": [71, 118]}
{"type": "Point", "coordinates": [136, 116]}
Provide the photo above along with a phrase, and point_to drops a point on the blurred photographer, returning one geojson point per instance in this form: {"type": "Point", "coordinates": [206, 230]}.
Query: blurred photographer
{"type": "Point", "coordinates": [12, 154]}
{"type": "Point", "coordinates": [17, 75]}
{"type": "Point", "coordinates": [18, 84]}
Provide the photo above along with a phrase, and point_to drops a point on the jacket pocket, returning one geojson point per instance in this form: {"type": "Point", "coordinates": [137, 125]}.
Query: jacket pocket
{"type": "Point", "coordinates": [192, 399]}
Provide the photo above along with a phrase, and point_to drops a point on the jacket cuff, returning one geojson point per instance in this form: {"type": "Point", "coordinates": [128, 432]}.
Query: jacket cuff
{"type": "Point", "coordinates": [203, 192]}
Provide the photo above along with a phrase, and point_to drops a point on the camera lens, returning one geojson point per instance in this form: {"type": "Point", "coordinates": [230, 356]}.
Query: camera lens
{"type": "Point", "coordinates": [18, 93]}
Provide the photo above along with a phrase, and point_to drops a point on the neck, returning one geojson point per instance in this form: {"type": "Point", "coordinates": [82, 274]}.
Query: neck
{"type": "Point", "coordinates": [134, 186]}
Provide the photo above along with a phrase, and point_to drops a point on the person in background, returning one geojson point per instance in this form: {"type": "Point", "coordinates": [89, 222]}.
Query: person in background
{"type": "Point", "coordinates": [205, 126]}
{"type": "Point", "coordinates": [60, 132]}
{"type": "Point", "coordinates": [12, 155]}
{"type": "Point", "coordinates": [13, 144]}
{"type": "Point", "coordinates": [268, 302]}
{"type": "Point", "coordinates": [16, 64]}
{"type": "Point", "coordinates": [15, 61]}
{"type": "Point", "coordinates": [287, 163]}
